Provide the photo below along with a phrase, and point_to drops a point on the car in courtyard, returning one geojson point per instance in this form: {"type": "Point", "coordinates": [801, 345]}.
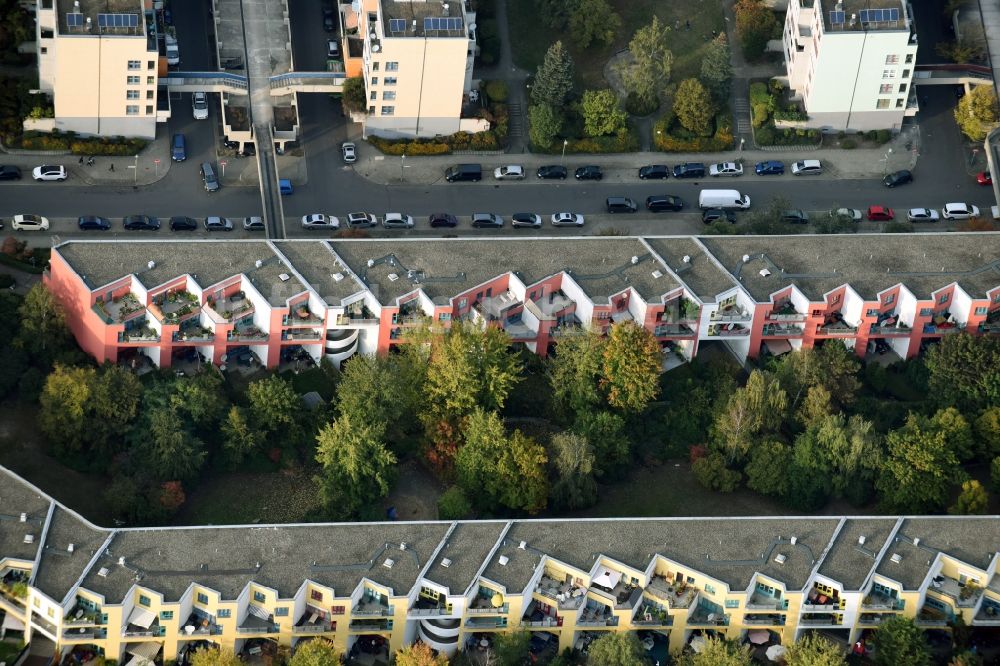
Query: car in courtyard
{"type": "Point", "coordinates": [959, 211]}
{"type": "Point", "coordinates": [880, 214]}
{"type": "Point", "coordinates": [922, 215]}
{"type": "Point", "coordinates": [199, 106]}
{"type": "Point", "coordinates": [178, 148]}
{"type": "Point", "coordinates": [567, 220]}
{"type": "Point", "coordinates": [725, 169]}
{"type": "Point", "coordinates": [332, 49]}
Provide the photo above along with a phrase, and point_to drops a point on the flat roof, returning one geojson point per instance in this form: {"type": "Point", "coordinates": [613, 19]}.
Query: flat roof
{"type": "Point", "coordinates": [870, 263]}
{"type": "Point", "coordinates": [465, 550]}
{"type": "Point", "coordinates": [849, 561]}
{"type": "Point", "coordinates": [966, 538]}
{"type": "Point", "coordinates": [858, 15]}
{"type": "Point", "coordinates": [406, 18]}
{"type": "Point", "coordinates": [92, 8]}
{"type": "Point", "coordinates": [17, 497]}
{"type": "Point", "coordinates": [61, 567]}
{"type": "Point", "coordinates": [319, 266]}
{"type": "Point", "coordinates": [695, 267]}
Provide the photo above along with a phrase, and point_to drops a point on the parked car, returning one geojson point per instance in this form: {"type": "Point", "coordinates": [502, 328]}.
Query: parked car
{"type": "Point", "coordinates": [620, 205]}
{"type": "Point", "coordinates": [332, 49]}
{"type": "Point", "coordinates": [26, 222]}
{"type": "Point", "coordinates": [93, 223]}
{"type": "Point", "coordinates": [769, 168]}
{"type": "Point", "coordinates": [253, 224]}
{"type": "Point", "coordinates": [178, 148]}
{"type": "Point", "coordinates": [464, 173]}
{"type": "Point", "coordinates": [689, 170]}
{"type": "Point", "coordinates": [794, 216]}
{"type": "Point", "coordinates": [320, 221]}
{"type": "Point", "coordinates": [173, 53]}
{"type": "Point", "coordinates": [710, 215]}
{"type": "Point", "coordinates": [984, 178]}
{"type": "Point", "coordinates": [664, 202]}
{"type": "Point", "coordinates": [726, 169]}
{"type": "Point", "coordinates": [846, 214]}
{"type": "Point", "coordinates": [328, 19]}
{"type": "Point", "coordinates": [140, 223]}
{"type": "Point", "coordinates": [959, 211]}
{"type": "Point", "coordinates": [654, 171]}
{"type": "Point", "coordinates": [880, 213]}
{"type": "Point", "coordinates": [397, 221]}
{"type": "Point", "coordinates": [215, 223]}
{"type": "Point", "coordinates": [567, 220]}
{"type": "Point", "coordinates": [486, 221]}
{"type": "Point", "coordinates": [49, 172]}
{"type": "Point", "coordinates": [588, 173]}
{"type": "Point", "coordinates": [360, 220]}
{"type": "Point", "coordinates": [349, 151]}
{"type": "Point", "coordinates": [208, 177]}
{"type": "Point", "coordinates": [199, 106]}
{"type": "Point", "coordinates": [181, 223]}
{"type": "Point", "coordinates": [526, 221]}
{"type": "Point", "coordinates": [807, 168]}
{"type": "Point", "coordinates": [443, 220]}
{"type": "Point", "coordinates": [922, 215]}
{"type": "Point", "coordinates": [897, 178]}
{"type": "Point", "coordinates": [551, 172]}
{"type": "Point", "coordinates": [9, 172]}
{"type": "Point", "coordinates": [509, 172]}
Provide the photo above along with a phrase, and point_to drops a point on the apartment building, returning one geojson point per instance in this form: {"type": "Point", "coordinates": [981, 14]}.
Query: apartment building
{"type": "Point", "coordinates": [416, 57]}
{"type": "Point", "coordinates": [99, 61]}
{"type": "Point", "coordinates": [157, 594]}
{"type": "Point", "coordinates": [274, 301]}
{"type": "Point", "coordinates": [851, 62]}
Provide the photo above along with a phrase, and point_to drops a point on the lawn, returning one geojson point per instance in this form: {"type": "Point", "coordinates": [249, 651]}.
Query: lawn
{"type": "Point", "coordinates": [240, 498]}
{"type": "Point", "coordinates": [531, 38]}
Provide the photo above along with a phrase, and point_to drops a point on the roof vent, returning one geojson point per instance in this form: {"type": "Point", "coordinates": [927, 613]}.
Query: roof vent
{"type": "Point", "coordinates": [764, 272]}
{"type": "Point", "coordinates": [103, 573]}
{"type": "Point", "coordinates": [861, 540]}
{"type": "Point", "coordinates": [151, 265]}
{"type": "Point", "coordinates": [402, 546]}
{"type": "Point", "coordinates": [371, 262]}
{"type": "Point", "coordinates": [635, 260]}
{"type": "Point", "coordinates": [337, 277]}
{"type": "Point", "coordinates": [657, 274]}
{"type": "Point", "coordinates": [686, 259]}
{"type": "Point", "coordinates": [70, 548]}
{"type": "Point", "coordinates": [503, 560]}
{"type": "Point", "coordinates": [24, 517]}
{"type": "Point", "coordinates": [121, 561]}
{"type": "Point", "coordinates": [284, 277]}
{"type": "Point", "coordinates": [896, 558]}
{"type": "Point", "coordinates": [523, 545]}
{"type": "Point", "coordinates": [446, 563]}
{"type": "Point", "coordinates": [392, 277]}
{"type": "Point", "coordinates": [29, 538]}
{"type": "Point", "coordinates": [916, 541]}
{"type": "Point", "coordinates": [746, 258]}
{"type": "Point", "coordinates": [779, 558]}
{"type": "Point", "coordinates": [258, 263]}
{"type": "Point", "coordinates": [794, 540]}
{"type": "Point", "coordinates": [388, 563]}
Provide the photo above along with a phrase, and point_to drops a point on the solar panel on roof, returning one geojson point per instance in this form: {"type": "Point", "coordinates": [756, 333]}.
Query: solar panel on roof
{"type": "Point", "coordinates": [117, 20]}
{"type": "Point", "coordinates": [74, 20]}
{"type": "Point", "coordinates": [836, 17]}
{"type": "Point", "coordinates": [879, 15]}
{"type": "Point", "coordinates": [443, 23]}
{"type": "Point", "coordinates": [397, 25]}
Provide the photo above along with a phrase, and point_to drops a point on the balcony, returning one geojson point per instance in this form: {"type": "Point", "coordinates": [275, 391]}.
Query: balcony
{"type": "Point", "coordinates": [764, 620]}
{"type": "Point", "coordinates": [301, 334]}
{"type": "Point", "coordinates": [989, 613]}
{"type": "Point", "coordinates": [785, 311]}
{"type": "Point", "coordinates": [254, 624]}
{"type": "Point", "coordinates": [568, 324]}
{"type": "Point", "coordinates": [231, 307]}
{"type": "Point", "coordinates": [371, 607]}
{"type": "Point", "coordinates": [782, 330]}
{"type": "Point", "coordinates": [138, 331]}
{"type": "Point", "coordinates": [370, 626]}
{"type": "Point", "coordinates": [729, 313]}
{"type": "Point", "coordinates": [246, 333]}
{"type": "Point", "coordinates": [677, 595]}
{"type": "Point", "coordinates": [761, 601]}
{"type": "Point", "coordinates": [79, 633]}
{"type": "Point", "coordinates": [680, 310]}
{"type": "Point", "coordinates": [517, 329]}
{"type": "Point", "coordinates": [881, 602]}
{"type": "Point", "coordinates": [946, 328]}
{"type": "Point", "coordinates": [83, 614]}
{"type": "Point", "coordinates": [566, 595]}
{"type": "Point", "coordinates": [138, 631]}
{"type": "Point", "coordinates": [992, 323]}
{"type": "Point", "coordinates": [930, 616]}
{"type": "Point", "coordinates": [314, 621]}
{"type": "Point", "coordinates": [301, 316]}
{"type": "Point", "coordinates": [596, 614]}
{"type": "Point", "coordinates": [873, 619]}
{"type": "Point", "coordinates": [496, 307]}
{"type": "Point", "coordinates": [964, 594]}
{"type": "Point", "coordinates": [554, 303]}
{"type": "Point", "coordinates": [120, 309]}
{"type": "Point", "coordinates": [175, 307]}
{"type": "Point", "coordinates": [821, 619]}
{"type": "Point", "coordinates": [900, 329]}
{"type": "Point", "coordinates": [486, 623]}
{"type": "Point", "coordinates": [672, 330]}
{"type": "Point", "coordinates": [192, 331]}
{"type": "Point", "coordinates": [425, 607]}
{"type": "Point", "coordinates": [482, 603]}
{"type": "Point", "coordinates": [199, 624]}
{"type": "Point", "coordinates": [729, 330]}
{"type": "Point", "coordinates": [356, 314]}
{"type": "Point", "coordinates": [652, 615]}
{"type": "Point", "coordinates": [841, 328]}
{"type": "Point", "coordinates": [710, 615]}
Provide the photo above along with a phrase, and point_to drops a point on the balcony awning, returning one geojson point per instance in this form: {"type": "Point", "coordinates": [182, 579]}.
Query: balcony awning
{"type": "Point", "coordinates": [11, 622]}
{"type": "Point", "coordinates": [143, 652]}
{"type": "Point", "coordinates": [259, 612]}
{"type": "Point", "coordinates": [778, 347]}
{"type": "Point", "coordinates": [607, 577]}
{"type": "Point", "coordinates": [141, 617]}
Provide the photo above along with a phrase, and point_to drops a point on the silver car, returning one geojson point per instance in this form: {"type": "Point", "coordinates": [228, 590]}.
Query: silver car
{"type": "Point", "coordinates": [567, 220]}
{"type": "Point", "coordinates": [526, 221]}
{"type": "Point", "coordinates": [349, 151]}
{"type": "Point", "coordinates": [922, 215]}
{"type": "Point", "coordinates": [218, 224]}
{"type": "Point", "coordinates": [397, 221]}
{"type": "Point", "coordinates": [320, 221]}
{"type": "Point", "coordinates": [361, 220]}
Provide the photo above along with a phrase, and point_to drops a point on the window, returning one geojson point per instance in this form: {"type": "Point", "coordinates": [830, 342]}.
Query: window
{"type": "Point", "coordinates": [258, 597]}
{"type": "Point", "coordinates": [134, 64]}
{"type": "Point", "coordinates": [133, 80]}
{"type": "Point", "coordinates": [900, 103]}
{"type": "Point", "coordinates": [374, 80]}
{"type": "Point", "coordinates": [224, 613]}
{"type": "Point", "coordinates": [890, 298]}
{"type": "Point", "coordinates": [281, 611]}
{"type": "Point", "coordinates": [996, 298]}
{"type": "Point", "coordinates": [909, 58]}
{"type": "Point", "coordinates": [943, 299]}
{"type": "Point", "coordinates": [835, 299]}
{"type": "Point", "coordinates": [149, 94]}
{"type": "Point", "coordinates": [316, 595]}
{"type": "Point", "coordinates": [392, 66]}
{"type": "Point", "coordinates": [131, 94]}
{"type": "Point", "coordinates": [166, 615]}
{"type": "Point", "coordinates": [444, 316]}
{"type": "Point", "coordinates": [709, 589]}
{"type": "Point", "coordinates": [926, 312]}
{"type": "Point", "coordinates": [44, 50]}
{"type": "Point", "coordinates": [732, 603]}
{"type": "Point", "coordinates": [390, 80]}
{"type": "Point", "coordinates": [892, 60]}
{"type": "Point", "coordinates": [373, 95]}
{"type": "Point", "coordinates": [882, 104]}
{"type": "Point", "coordinates": [464, 302]}
{"type": "Point", "coordinates": [902, 87]}
{"type": "Point", "coordinates": [143, 600]}
{"type": "Point", "coordinates": [906, 73]}
{"type": "Point", "coordinates": [371, 109]}
{"type": "Point", "coordinates": [389, 95]}
{"type": "Point", "coordinates": [149, 110]}
{"type": "Point", "coordinates": [690, 580]}
{"type": "Point", "coordinates": [150, 80]}
{"type": "Point", "coordinates": [337, 610]}
{"type": "Point", "coordinates": [150, 64]}
{"type": "Point", "coordinates": [888, 73]}
{"type": "Point", "coordinates": [872, 313]}
{"type": "Point", "coordinates": [885, 89]}
{"type": "Point", "coordinates": [202, 598]}
{"type": "Point", "coordinates": [374, 66]}
{"type": "Point", "coordinates": [981, 311]}
{"type": "Point", "coordinates": [388, 110]}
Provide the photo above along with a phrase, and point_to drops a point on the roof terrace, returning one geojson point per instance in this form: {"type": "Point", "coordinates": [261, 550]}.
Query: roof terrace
{"type": "Point", "coordinates": [423, 18]}
{"type": "Point", "coordinates": [101, 17]}
{"type": "Point", "coordinates": [863, 15]}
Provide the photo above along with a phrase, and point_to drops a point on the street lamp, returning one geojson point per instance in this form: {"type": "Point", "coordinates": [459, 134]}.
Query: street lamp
{"type": "Point", "coordinates": [402, 162]}
{"type": "Point", "coordinates": [565, 142]}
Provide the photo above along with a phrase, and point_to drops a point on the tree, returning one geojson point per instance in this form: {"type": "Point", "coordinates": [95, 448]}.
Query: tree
{"type": "Point", "coordinates": [693, 107]}
{"type": "Point", "coordinates": [594, 21]}
{"type": "Point", "coordinates": [382, 389]}
{"type": "Point", "coordinates": [616, 649]}
{"type": "Point", "coordinates": [202, 398]}
{"type": "Point", "coordinates": [316, 652]}
{"type": "Point", "coordinates": [575, 372]}
{"type": "Point", "coordinates": [816, 406]}
{"type": "Point", "coordinates": [767, 470]}
{"type": "Point", "coordinates": [717, 69]}
{"type": "Point", "coordinates": [65, 407]}
{"type": "Point", "coordinates": [171, 450]}
{"type": "Point", "coordinates": [555, 13]}
{"type": "Point", "coordinates": [755, 23]}
{"type": "Point", "coordinates": [899, 641]}
{"type": "Point", "coordinates": [215, 657]}
{"type": "Point", "coordinates": [987, 427]}
{"type": "Point", "coordinates": [554, 79]}
{"type": "Point", "coordinates": [512, 648]}
{"type": "Point", "coordinates": [711, 472]}
{"type": "Point", "coordinates": [544, 124]}
{"type": "Point", "coordinates": [358, 468]}
{"type": "Point", "coordinates": [572, 457]}
{"type": "Point", "coordinates": [630, 367]}
{"type": "Point", "coordinates": [453, 504]}
{"type": "Point", "coordinates": [606, 433]}
{"type": "Point", "coordinates": [602, 113]}
{"type": "Point", "coordinates": [756, 409]}
{"type": "Point", "coordinates": [43, 324]}
{"type": "Point", "coordinates": [274, 405]}
{"type": "Point", "coordinates": [419, 654]}
{"type": "Point", "coordinates": [844, 450]}
{"type": "Point", "coordinates": [831, 366]}
{"type": "Point", "coordinates": [814, 650]}
{"type": "Point", "coordinates": [114, 404]}
{"type": "Point", "coordinates": [718, 652]}
{"type": "Point", "coordinates": [648, 71]}
{"type": "Point", "coordinates": [961, 50]}
{"type": "Point", "coordinates": [239, 438]}
{"type": "Point", "coordinates": [976, 113]}
{"type": "Point", "coordinates": [920, 469]}
{"type": "Point", "coordinates": [957, 432]}
{"type": "Point", "coordinates": [972, 500]}
{"type": "Point", "coordinates": [995, 474]}
{"type": "Point", "coordinates": [964, 370]}
{"type": "Point", "coordinates": [353, 95]}
{"type": "Point", "coordinates": [966, 659]}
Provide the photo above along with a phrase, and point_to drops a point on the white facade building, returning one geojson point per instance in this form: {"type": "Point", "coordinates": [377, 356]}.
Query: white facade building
{"type": "Point", "coordinates": [851, 62]}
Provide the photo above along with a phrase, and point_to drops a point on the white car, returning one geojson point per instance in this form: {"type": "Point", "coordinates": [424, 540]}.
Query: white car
{"type": "Point", "coordinates": [567, 220]}
{"type": "Point", "coordinates": [397, 221]}
{"type": "Point", "coordinates": [807, 168]}
{"type": "Point", "coordinates": [49, 172]}
{"type": "Point", "coordinates": [199, 106]}
{"type": "Point", "coordinates": [922, 215]}
{"type": "Point", "coordinates": [726, 169]}
{"type": "Point", "coordinates": [852, 214]}
{"type": "Point", "coordinates": [320, 221]}
{"type": "Point", "coordinates": [349, 151]}
{"type": "Point", "coordinates": [29, 223]}
{"type": "Point", "coordinates": [509, 172]}
{"type": "Point", "coordinates": [173, 53]}
{"type": "Point", "coordinates": [959, 211]}
{"type": "Point", "coordinates": [332, 49]}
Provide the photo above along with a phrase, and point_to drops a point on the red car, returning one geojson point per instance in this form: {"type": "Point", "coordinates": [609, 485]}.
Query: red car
{"type": "Point", "coordinates": [880, 213]}
{"type": "Point", "coordinates": [984, 178]}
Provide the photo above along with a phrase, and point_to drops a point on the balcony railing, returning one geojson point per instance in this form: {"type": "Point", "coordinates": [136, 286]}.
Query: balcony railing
{"type": "Point", "coordinates": [272, 629]}
{"type": "Point", "coordinates": [428, 612]}
{"type": "Point", "coordinates": [318, 628]}
{"type": "Point", "coordinates": [297, 319]}
{"type": "Point", "coordinates": [781, 330]}
{"type": "Point", "coordinates": [838, 330]}
{"type": "Point", "coordinates": [730, 315]}
{"type": "Point", "coordinates": [143, 633]}
{"type": "Point", "coordinates": [894, 329]}
{"type": "Point", "coordinates": [598, 622]}
{"type": "Point", "coordinates": [764, 620]}
{"type": "Point", "coordinates": [825, 620]}
{"type": "Point", "coordinates": [372, 612]}
{"type": "Point", "coordinates": [198, 334]}
{"type": "Point", "coordinates": [662, 330]}
{"type": "Point", "coordinates": [728, 330]}
{"type": "Point", "coordinates": [503, 610]}
{"type": "Point", "coordinates": [85, 632]}
{"type": "Point", "coordinates": [139, 335]}
{"type": "Point", "coordinates": [486, 623]}
{"type": "Point", "coordinates": [948, 329]}
{"type": "Point", "coordinates": [548, 622]}
{"type": "Point", "coordinates": [355, 319]}
{"type": "Point", "coordinates": [299, 334]}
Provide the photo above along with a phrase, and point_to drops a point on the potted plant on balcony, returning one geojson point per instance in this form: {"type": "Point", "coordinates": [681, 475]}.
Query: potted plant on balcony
{"type": "Point", "coordinates": [302, 311]}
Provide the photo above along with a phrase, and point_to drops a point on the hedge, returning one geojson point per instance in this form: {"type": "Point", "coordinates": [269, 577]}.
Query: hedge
{"type": "Point", "coordinates": [669, 137]}
{"type": "Point", "coordinates": [626, 141]}
{"type": "Point", "coordinates": [770, 136]}
{"type": "Point", "coordinates": [484, 141]}
{"type": "Point", "coordinates": [101, 146]}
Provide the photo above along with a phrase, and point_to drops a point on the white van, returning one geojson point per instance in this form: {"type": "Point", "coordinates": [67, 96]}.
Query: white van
{"type": "Point", "coordinates": [723, 199]}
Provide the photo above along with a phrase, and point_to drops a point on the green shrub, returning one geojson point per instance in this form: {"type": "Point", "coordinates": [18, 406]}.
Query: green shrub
{"type": "Point", "coordinates": [871, 135]}
{"type": "Point", "coordinates": [669, 136]}
{"type": "Point", "coordinates": [453, 505]}
{"type": "Point", "coordinates": [848, 144]}
{"type": "Point", "coordinates": [640, 106]}
{"type": "Point", "coordinates": [765, 136]}
{"type": "Point", "coordinates": [883, 136]}
{"type": "Point", "coordinates": [497, 90]}
{"type": "Point", "coordinates": [762, 103]}
{"type": "Point", "coordinates": [489, 41]}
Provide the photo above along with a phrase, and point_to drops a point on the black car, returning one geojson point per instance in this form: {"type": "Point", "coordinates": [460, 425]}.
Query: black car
{"type": "Point", "coordinates": [9, 172]}
{"type": "Point", "coordinates": [795, 216]}
{"type": "Point", "coordinates": [588, 173]}
{"type": "Point", "coordinates": [93, 223]}
{"type": "Point", "coordinates": [140, 223]}
{"type": "Point", "coordinates": [183, 224]}
{"type": "Point", "coordinates": [689, 170]}
{"type": "Point", "coordinates": [710, 215]}
{"type": "Point", "coordinates": [443, 220]}
{"type": "Point", "coordinates": [661, 202]}
{"type": "Point", "coordinates": [551, 172]}
{"type": "Point", "coordinates": [897, 178]}
{"type": "Point", "coordinates": [654, 171]}
{"type": "Point", "coordinates": [328, 22]}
